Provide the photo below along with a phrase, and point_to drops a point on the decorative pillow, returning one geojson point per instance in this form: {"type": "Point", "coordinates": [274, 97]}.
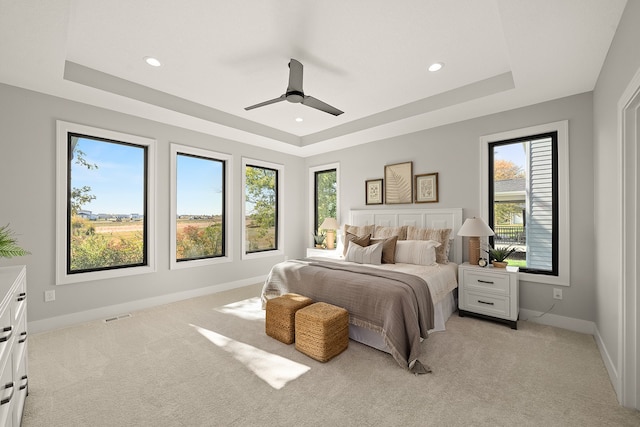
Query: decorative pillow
{"type": "Point", "coordinates": [369, 255]}
{"type": "Point", "coordinates": [383, 232]}
{"type": "Point", "coordinates": [388, 249]}
{"type": "Point", "coordinates": [360, 240]}
{"type": "Point", "coordinates": [420, 252]}
{"type": "Point", "coordinates": [359, 230]}
{"type": "Point", "coordinates": [438, 234]}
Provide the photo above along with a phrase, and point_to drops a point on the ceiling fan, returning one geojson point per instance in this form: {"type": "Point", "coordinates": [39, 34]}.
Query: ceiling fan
{"type": "Point", "coordinates": [295, 93]}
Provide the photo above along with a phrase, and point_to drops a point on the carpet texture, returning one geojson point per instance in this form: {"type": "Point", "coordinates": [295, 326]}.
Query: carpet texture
{"type": "Point", "coordinates": [208, 362]}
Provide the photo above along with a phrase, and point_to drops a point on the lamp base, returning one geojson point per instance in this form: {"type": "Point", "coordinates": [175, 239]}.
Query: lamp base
{"type": "Point", "coordinates": [474, 250]}
{"type": "Point", "coordinates": [330, 239]}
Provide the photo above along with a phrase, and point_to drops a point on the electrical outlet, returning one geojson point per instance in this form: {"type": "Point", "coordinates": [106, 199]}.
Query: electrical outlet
{"type": "Point", "coordinates": [557, 293]}
{"type": "Point", "coordinates": [49, 296]}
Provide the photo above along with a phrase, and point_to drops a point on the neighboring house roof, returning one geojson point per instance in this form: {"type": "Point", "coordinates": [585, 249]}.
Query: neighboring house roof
{"type": "Point", "coordinates": [509, 185]}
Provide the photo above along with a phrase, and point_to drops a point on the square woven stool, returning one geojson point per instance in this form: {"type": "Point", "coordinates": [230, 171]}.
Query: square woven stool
{"type": "Point", "coordinates": [322, 331]}
{"type": "Point", "coordinates": [280, 316]}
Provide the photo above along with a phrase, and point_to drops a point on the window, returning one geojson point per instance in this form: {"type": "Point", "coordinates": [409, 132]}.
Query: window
{"type": "Point", "coordinates": [105, 204]}
{"type": "Point", "coordinates": [325, 194]}
{"type": "Point", "coordinates": [525, 175]}
{"type": "Point", "coordinates": [200, 187]}
{"type": "Point", "coordinates": [262, 216]}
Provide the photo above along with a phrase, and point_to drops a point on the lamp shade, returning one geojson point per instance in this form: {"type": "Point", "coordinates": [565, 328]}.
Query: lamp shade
{"type": "Point", "coordinates": [330, 224]}
{"type": "Point", "coordinates": [475, 227]}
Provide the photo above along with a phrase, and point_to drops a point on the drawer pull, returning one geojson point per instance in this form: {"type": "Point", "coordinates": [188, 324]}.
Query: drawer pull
{"type": "Point", "coordinates": [485, 302]}
{"type": "Point", "coordinates": [485, 281]}
{"type": "Point", "coordinates": [8, 398]}
{"type": "Point", "coordinates": [22, 296]}
{"type": "Point", "coordinates": [23, 337]}
{"type": "Point", "coordinates": [25, 383]}
{"type": "Point", "coordinates": [8, 329]}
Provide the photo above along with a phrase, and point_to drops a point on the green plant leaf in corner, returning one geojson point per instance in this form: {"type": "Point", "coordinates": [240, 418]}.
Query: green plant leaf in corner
{"type": "Point", "coordinates": [9, 244]}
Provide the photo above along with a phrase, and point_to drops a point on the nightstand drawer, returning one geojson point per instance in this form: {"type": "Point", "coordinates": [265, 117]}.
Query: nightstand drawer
{"type": "Point", "coordinates": [485, 304]}
{"type": "Point", "coordinates": [485, 281]}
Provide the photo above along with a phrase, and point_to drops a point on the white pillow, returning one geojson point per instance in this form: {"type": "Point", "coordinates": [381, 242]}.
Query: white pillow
{"type": "Point", "coordinates": [420, 252]}
{"type": "Point", "coordinates": [364, 255]}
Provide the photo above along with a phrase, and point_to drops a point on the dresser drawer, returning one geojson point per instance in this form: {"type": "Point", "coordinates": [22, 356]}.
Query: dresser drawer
{"type": "Point", "coordinates": [485, 281]}
{"type": "Point", "coordinates": [491, 305]}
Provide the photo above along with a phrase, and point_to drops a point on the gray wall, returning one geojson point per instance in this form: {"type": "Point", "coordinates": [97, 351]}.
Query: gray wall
{"type": "Point", "coordinates": [454, 152]}
{"type": "Point", "coordinates": [27, 191]}
{"type": "Point", "coordinates": [622, 63]}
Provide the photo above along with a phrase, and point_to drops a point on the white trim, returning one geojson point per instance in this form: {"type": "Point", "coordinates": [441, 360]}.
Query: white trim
{"type": "Point", "coordinates": [62, 130]}
{"type": "Point", "coordinates": [608, 362]}
{"type": "Point", "coordinates": [564, 241]}
{"type": "Point", "coordinates": [228, 209]}
{"type": "Point", "coordinates": [66, 320]}
{"type": "Point", "coordinates": [576, 325]}
{"type": "Point", "coordinates": [312, 171]}
{"type": "Point", "coordinates": [279, 251]}
{"type": "Point", "coordinates": [628, 381]}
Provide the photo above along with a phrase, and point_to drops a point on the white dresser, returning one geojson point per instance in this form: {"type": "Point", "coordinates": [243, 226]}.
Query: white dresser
{"type": "Point", "coordinates": [13, 344]}
{"type": "Point", "coordinates": [489, 292]}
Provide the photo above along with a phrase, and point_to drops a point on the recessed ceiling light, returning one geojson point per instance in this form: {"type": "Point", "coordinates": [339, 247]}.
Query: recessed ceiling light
{"type": "Point", "coordinates": [299, 119]}
{"type": "Point", "coordinates": [436, 66]}
{"type": "Point", "coordinates": [152, 61]}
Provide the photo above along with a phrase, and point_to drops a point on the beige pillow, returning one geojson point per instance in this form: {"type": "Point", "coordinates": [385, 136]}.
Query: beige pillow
{"type": "Point", "coordinates": [440, 235]}
{"type": "Point", "coordinates": [388, 249]}
{"type": "Point", "coordinates": [419, 252]}
{"type": "Point", "coordinates": [359, 230]}
{"type": "Point", "coordinates": [360, 240]}
{"type": "Point", "coordinates": [369, 255]}
{"type": "Point", "coordinates": [383, 232]}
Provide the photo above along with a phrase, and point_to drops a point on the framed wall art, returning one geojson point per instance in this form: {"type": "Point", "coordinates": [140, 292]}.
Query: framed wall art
{"type": "Point", "coordinates": [373, 191]}
{"type": "Point", "coordinates": [426, 188]}
{"type": "Point", "coordinates": [398, 185]}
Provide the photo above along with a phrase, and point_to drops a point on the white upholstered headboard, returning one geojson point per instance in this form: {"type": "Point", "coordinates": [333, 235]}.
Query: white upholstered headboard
{"type": "Point", "coordinates": [422, 218]}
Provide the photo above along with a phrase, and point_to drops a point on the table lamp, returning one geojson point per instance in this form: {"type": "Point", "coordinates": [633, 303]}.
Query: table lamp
{"type": "Point", "coordinates": [330, 225]}
{"type": "Point", "coordinates": [474, 228]}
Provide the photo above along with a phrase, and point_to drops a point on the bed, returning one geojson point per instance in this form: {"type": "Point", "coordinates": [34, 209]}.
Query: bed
{"type": "Point", "coordinates": [392, 306]}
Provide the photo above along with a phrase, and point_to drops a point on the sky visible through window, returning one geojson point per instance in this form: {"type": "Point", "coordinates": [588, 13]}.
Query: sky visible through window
{"type": "Point", "coordinates": [118, 181]}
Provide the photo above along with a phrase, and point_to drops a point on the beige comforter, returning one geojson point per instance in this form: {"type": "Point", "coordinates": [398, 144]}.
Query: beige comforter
{"type": "Point", "coordinates": [397, 305]}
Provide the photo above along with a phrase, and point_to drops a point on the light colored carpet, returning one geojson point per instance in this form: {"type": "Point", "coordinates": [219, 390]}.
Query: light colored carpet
{"type": "Point", "coordinates": [197, 363]}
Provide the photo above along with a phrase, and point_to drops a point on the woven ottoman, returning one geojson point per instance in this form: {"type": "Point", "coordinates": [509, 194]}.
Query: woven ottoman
{"type": "Point", "coordinates": [280, 316]}
{"type": "Point", "coordinates": [322, 331]}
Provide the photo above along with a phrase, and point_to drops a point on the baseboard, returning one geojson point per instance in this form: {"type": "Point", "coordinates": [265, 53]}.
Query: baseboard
{"type": "Point", "coordinates": [66, 320]}
{"type": "Point", "coordinates": [576, 325]}
{"type": "Point", "coordinates": [615, 379]}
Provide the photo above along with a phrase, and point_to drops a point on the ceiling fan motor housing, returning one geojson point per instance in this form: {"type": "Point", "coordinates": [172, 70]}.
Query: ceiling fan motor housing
{"type": "Point", "coordinates": [294, 96]}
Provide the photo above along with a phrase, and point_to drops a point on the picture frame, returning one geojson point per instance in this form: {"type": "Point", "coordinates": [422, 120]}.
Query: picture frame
{"type": "Point", "coordinates": [373, 191]}
{"type": "Point", "coordinates": [398, 185]}
{"type": "Point", "coordinates": [426, 186]}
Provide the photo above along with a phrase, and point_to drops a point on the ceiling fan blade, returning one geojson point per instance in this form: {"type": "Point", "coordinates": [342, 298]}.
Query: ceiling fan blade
{"type": "Point", "coordinates": [271, 101]}
{"type": "Point", "coordinates": [312, 102]}
{"type": "Point", "coordinates": [295, 76]}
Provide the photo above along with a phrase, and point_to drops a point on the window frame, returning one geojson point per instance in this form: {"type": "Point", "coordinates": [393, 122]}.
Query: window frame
{"type": "Point", "coordinates": [563, 277]}
{"type": "Point", "coordinates": [176, 149]}
{"type": "Point", "coordinates": [313, 199]}
{"type": "Point", "coordinates": [63, 277]}
{"type": "Point", "coordinates": [279, 250]}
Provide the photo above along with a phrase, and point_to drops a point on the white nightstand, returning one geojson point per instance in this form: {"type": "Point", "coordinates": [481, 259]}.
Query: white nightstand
{"type": "Point", "coordinates": [326, 253]}
{"type": "Point", "coordinates": [489, 292]}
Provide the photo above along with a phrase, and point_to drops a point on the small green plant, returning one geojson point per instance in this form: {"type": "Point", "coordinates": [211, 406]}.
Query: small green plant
{"type": "Point", "coordinates": [500, 254]}
{"type": "Point", "coordinates": [9, 244]}
{"type": "Point", "coordinates": [318, 238]}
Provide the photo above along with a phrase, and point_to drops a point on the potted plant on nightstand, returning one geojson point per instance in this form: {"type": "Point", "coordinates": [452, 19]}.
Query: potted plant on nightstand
{"type": "Point", "coordinates": [318, 238]}
{"type": "Point", "coordinates": [498, 256]}
{"type": "Point", "coordinates": [9, 244]}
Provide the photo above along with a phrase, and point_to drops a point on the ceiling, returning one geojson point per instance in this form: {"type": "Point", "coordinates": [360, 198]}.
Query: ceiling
{"type": "Point", "coordinates": [369, 58]}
